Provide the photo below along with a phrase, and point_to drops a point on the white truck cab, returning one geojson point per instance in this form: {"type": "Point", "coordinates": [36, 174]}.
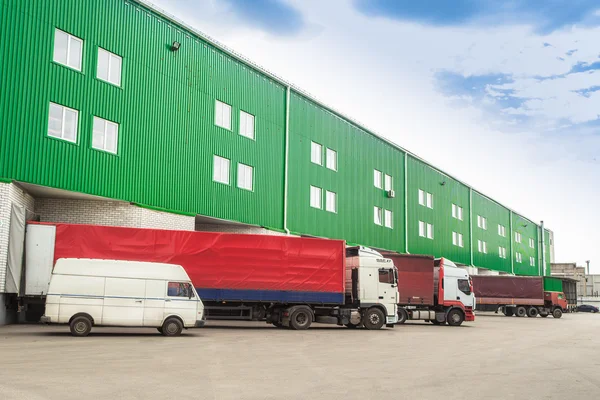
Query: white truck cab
{"type": "Point", "coordinates": [91, 292]}
{"type": "Point", "coordinates": [458, 286]}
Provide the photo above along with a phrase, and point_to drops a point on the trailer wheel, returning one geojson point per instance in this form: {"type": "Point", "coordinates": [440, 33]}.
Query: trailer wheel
{"type": "Point", "coordinates": [521, 311]}
{"type": "Point", "coordinates": [402, 316]}
{"type": "Point", "coordinates": [172, 327]}
{"type": "Point", "coordinates": [532, 312]}
{"type": "Point", "coordinates": [80, 326]}
{"type": "Point", "coordinates": [455, 317]}
{"type": "Point", "coordinates": [557, 313]}
{"type": "Point", "coordinates": [301, 318]}
{"type": "Point", "coordinates": [508, 311]}
{"type": "Point", "coordinates": [373, 319]}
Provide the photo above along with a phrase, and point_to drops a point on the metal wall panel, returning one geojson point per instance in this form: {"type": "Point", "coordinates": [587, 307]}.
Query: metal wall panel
{"type": "Point", "coordinates": [495, 215]}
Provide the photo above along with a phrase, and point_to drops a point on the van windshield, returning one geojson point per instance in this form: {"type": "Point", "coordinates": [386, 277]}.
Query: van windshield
{"type": "Point", "coordinates": [180, 289]}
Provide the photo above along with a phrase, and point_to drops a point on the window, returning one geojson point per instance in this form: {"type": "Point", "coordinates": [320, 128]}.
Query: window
{"type": "Point", "coordinates": [315, 197]}
{"type": "Point", "coordinates": [532, 261]}
{"type": "Point", "coordinates": [481, 222]}
{"type": "Point", "coordinates": [457, 212]}
{"type": "Point", "coordinates": [386, 276]}
{"type": "Point", "coordinates": [425, 199]}
{"type": "Point", "coordinates": [425, 230]}
{"type": "Point", "coordinates": [388, 182]}
{"type": "Point", "coordinates": [388, 219]}
{"type": "Point", "coordinates": [316, 153]}
{"type": "Point", "coordinates": [221, 170]}
{"type": "Point", "coordinates": [377, 216]}
{"type": "Point", "coordinates": [482, 246]}
{"type": "Point", "coordinates": [109, 67]}
{"type": "Point", "coordinates": [517, 237]}
{"type": "Point", "coordinates": [502, 252]}
{"type": "Point", "coordinates": [222, 115]}
{"type": "Point", "coordinates": [105, 135]}
{"type": "Point", "coordinates": [67, 49]}
{"type": "Point", "coordinates": [532, 243]}
{"type": "Point", "coordinates": [179, 289]}
{"type": "Point", "coordinates": [457, 239]}
{"type": "Point", "coordinates": [463, 286]}
{"type": "Point", "coordinates": [377, 179]}
{"type": "Point", "coordinates": [246, 125]}
{"type": "Point", "coordinates": [330, 201]}
{"type": "Point", "coordinates": [518, 257]}
{"type": "Point", "coordinates": [501, 230]}
{"type": "Point", "coordinates": [62, 123]}
{"type": "Point", "coordinates": [244, 176]}
{"type": "Point", "coordinates": [331, 159]}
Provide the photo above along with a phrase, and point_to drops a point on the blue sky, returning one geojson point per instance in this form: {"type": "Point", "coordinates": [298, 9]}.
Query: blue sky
{"type": "Point", "coordinates": [503, 94]}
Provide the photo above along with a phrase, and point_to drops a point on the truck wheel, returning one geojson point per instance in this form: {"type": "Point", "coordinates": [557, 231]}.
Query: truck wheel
{"type": "Point", "coordinates": [557, 313]}
{"type": "Point", "coordinates": [402, 316]}
{"type": "Point", "coordinates": [80, 326]}
{"type": "Point", "coordinates": [172, 327]}
{"type": "Point", "coordinates": [373, 319]}
{"type": "Point", "coordinates": [521, 311]}
{"type": "Point", "coordinates": [455, 317]}
{"type": "Point", "coordinates": [509, 312]}
{"type": "Point", "coordinates": [301, 318]}
{"type": "Point", "coordinates": [532, 312]}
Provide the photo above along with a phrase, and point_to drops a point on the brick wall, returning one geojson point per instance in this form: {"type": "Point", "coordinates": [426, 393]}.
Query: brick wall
{"type": "Point", "coordinates": [109, 213]}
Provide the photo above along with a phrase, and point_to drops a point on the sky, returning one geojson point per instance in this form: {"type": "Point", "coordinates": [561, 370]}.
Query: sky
{"type": "Point", "coordinates": [504, 95]}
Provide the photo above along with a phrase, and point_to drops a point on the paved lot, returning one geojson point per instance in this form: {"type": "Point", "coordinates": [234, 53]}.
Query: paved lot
{"type": "Point", "coordinates": [494, 358]}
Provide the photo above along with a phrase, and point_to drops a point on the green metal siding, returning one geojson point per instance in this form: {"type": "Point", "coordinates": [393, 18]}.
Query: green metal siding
{"type": "Point", "coordinates": [358, 154]}
{"type": "Point", "coordinates": [165, 111]}
{"type": "Point", "coordinates": [553, 284]}
{"type": "Point", "coordinates": [167, 137]}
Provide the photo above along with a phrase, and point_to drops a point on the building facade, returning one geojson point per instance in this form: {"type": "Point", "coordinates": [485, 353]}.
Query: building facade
{"type": "Point", "coordinates": [113, 112]}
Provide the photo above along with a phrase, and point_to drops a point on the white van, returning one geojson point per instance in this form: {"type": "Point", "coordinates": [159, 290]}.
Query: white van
{"type": "Point", "coordinates": [87, 292]}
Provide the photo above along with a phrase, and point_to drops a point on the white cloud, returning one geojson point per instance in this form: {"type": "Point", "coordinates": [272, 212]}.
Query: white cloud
{"type": "Point", "coordinates": [382, 73]}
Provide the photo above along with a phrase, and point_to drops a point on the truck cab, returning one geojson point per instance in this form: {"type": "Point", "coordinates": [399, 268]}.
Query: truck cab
{"type": "Point", "coordinates": [454, 292]}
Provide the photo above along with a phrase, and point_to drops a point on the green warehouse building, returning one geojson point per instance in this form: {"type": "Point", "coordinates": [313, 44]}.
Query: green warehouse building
{"type": "Point", "coordinates": [113, 112]}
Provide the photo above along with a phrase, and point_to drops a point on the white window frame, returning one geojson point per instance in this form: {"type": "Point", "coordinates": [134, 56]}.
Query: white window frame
{"type": "Point", "coordinates": [316, 149]}
{"type": "Point", "coordinates": [457, 239]}
{"type": "Point", "coordinates": [501, 230]}
{"type": "Point", "coordinates": [316, 197]}
{"type": "Point", "coordinates": [378, 215]}
{"type": "Point", "coordinates": [457, 212]}
{"type": "Point", "coordinates": [242, 172]}
{"type": "Point", "coordinates": [388, 218]}
{"type": "Point", "coordinates": [421, 197]}
{"type": "Point", "coordinates": [220, 160]}
{"type": "Point", "coordinates": [531, 243]}
{"type": "Point", "coordinates": [388, 182]}
{"type": "Point", "coordinates": [430, 231]}
{"type": "Point", "coordinates": [422, 229]}
{"type": "Point", "coordinates": [64, 109]}
{"type": "Point", "coordinates": [517, 237]}
{"type": "Point", "coordinates": [482, 246]}
{"type": "Point", "coordinates": [482, 222]}
{"type": "Point", "coordinates": [111, 57]}
{"type": "Point", "coordinates": [425, 199]}
{"type": "Point", "coordinates": [331, 206]}
{"type": "Point", "coordinates": [220, 108]}
{"type": "Point", "coordinates": [502, 251]}
{"type": "Point", "coordinates": [246, 125]}
{"type": "Point", "coordinates": [532, 261]}
{"type": "Point", "coordinates": [106, 123]}
{"type": "Point", "coordinates": [519, 257]}
{"type": "Point", "coordinates": [331, 159]}
{"type": "Point", "coordinates": [377, 178]}
{"type": "Point", "coordinates": [69, 38]}
{"type": "Point", "coordinates": [429, 200]}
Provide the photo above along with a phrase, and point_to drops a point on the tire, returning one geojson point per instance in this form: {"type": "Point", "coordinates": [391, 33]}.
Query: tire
{"type": "Point", "coordinates": [80, 326]}
{"type": "Point", "coordinates": [402, 316]}
{"type": "Point", "coordinates": [521, 311]}
{"type": "Point", "coordinates": [172, 327]}
{"type": "Point", "coordinates": [301, 318]}
{"type": "Point", "coordinates": [373, 319]}
{"type": "Point", "coordinates": [455, 317]}
{"type": "Point", "coordinates": [557, 313]}
{"type": "Point", "coordinates": [509, 312]}
{"type": "Point", "coordinates": [532, 312]}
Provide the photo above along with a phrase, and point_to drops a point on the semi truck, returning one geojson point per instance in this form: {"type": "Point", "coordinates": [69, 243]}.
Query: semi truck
{"type": "Point", "coordinates": [433, 290]}
{"type": "Point", "coordinates": [517, 295]}
{"type": "Point", "coordinates": [283, 280]}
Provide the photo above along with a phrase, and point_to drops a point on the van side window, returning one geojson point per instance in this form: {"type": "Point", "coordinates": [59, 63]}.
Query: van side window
{"type": "Point", "coordinates": [179, 289]}
{"type": "Point", "coordinates": [386, 276]}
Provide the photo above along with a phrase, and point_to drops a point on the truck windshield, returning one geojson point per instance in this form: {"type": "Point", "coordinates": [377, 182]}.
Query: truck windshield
{"type": "Point", "coordinates": [463, 286]}
{"type": "Point", "coordinates": [386, 276]}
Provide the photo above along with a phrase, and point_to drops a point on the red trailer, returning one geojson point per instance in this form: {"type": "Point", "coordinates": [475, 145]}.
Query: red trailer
{"type": "Point", "coordinates": [517, 295]}
{"type": "Point", "coordinates": [433, 290]}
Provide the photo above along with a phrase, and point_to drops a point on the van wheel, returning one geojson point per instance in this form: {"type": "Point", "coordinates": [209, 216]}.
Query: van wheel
{"type": "Point", "coordinates": [373, 319]}
{"type": "Point", "coordinates": [455, 317]}
{"type": "Point", "coordinates": [172, 327]}
{"type": "Point", "coordinates": [80, 326]}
